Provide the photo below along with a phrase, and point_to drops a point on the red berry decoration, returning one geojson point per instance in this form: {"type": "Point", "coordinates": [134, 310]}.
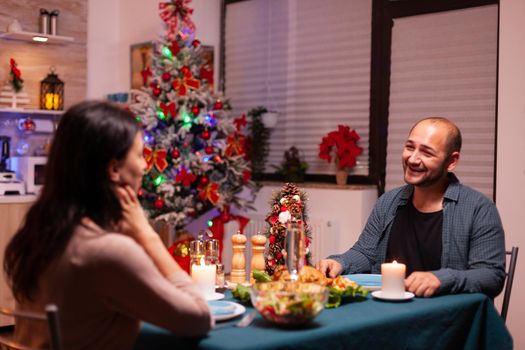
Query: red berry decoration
{"type": "Point", "coordinates": [166, 76]}
{"type": "Point", "coordinates": [195, 110]}
{"type": "Point", "coordinates": [159, 203]}
{"type": "Point", "coordinates": [195, 43]}
{"type": "Point", "coordinates": [175, 153]}
{"type": "Point", "coordinates": [205, 135]}
{"type": "Point", "coordinates": [156, 92]}
{"type": "Point", "coordinates": [204, 180]}
{"type": "Point", "coordinates": [208, 149]}
{"type": "Point", "coordinates": [217, 105]}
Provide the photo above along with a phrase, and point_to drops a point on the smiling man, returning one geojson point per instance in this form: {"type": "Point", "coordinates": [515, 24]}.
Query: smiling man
{"type": "Point", "coordinates": [449, 235]}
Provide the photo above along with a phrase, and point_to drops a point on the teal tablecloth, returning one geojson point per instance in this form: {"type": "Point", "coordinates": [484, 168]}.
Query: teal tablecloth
{"type": "Point", "coordinates": [463, 321]}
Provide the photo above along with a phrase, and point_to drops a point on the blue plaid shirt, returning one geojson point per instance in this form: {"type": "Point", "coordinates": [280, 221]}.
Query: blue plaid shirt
{"type": "Point", "coordinates": [473, 254]}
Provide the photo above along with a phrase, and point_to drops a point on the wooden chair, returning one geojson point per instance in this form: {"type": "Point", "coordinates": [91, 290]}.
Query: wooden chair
{"type": "Point", "coordinates": [508, 281]}
{"type": "Point", "coordinates": [51, 317]}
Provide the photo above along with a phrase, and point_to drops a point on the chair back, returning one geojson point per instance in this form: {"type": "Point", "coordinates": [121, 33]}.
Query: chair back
{"type": "Point", "coordinates": [508, 281]}
{"type": "Point", "coordinates": [50, 317]}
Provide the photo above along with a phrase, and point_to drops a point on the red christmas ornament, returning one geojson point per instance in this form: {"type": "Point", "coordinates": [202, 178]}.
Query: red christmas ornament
{"type": "Point", "coordinates": [217, 105]}
{"type": "Point", "coordinates": [271, 263]}
{"type": "Point", "coordinates": [205, 135]}
{"type": "Point", "coordinates": [195, 110]}
{"type": "Point", "coordinates": [156, 92]}
{"type": "Point", "coordinates": [166, 76]}
{"type": "Point", "coordinates": [204, 180]}
{"type": "Point", "coordinates": [272, 239]}
{"type": "Point", "coordinates": [185, 70]}
{"type": "Point", "coordinates": [195, 43]}
{"type": "Point", "coordinates": [140, 193]}
{"type": "Point", "coordinates": [279, 256]}
{"type": "Point", "coordinates": [175, 153]}
{"type": "Point", "coordinates": [159, 203]}
{"type": "Point", "coordinates": [208, 149]}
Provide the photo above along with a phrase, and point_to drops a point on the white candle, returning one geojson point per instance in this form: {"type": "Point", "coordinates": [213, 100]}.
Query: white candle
{"type": "Point", "coordinates": [204, 276]}
{"type": "Point", "coordinates": [393, 280]}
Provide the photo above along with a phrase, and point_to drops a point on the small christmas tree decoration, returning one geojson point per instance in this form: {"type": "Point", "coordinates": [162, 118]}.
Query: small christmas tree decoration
{"type": "Point", "coordinates": [286, 205]}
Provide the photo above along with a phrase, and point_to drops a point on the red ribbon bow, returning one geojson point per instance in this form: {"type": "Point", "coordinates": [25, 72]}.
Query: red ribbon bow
{"type": "Point", "coordinates": [157, 158]}
{"type": "Point", "coordinates": [169, 109]}
{"type": "Point", "coordinates": [209, 192]}
{"type": "Point", "coordinates": [240, 122]}
{"type": "Point", "coordinates": [187, 82]}
{"type": "Point", "coordinates": [235, 144]}
{"type": "Point", "coordinates": [176, 13]}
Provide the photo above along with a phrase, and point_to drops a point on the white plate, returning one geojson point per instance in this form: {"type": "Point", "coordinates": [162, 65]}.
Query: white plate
{"type": "Point", "coordinates": [378, 294]}
{"type": "Point", "coordinates": [215, 296]}
{"type": "Point", "coordinates": [237, 310]}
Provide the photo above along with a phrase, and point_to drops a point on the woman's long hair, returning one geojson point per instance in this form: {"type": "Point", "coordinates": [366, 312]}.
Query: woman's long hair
{"type": "Point", "coordinates": [90, 135]}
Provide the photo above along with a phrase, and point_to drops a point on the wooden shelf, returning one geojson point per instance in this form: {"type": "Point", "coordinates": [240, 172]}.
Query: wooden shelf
{"type": "Point", "coordinates": [28, 36]}
{"type": "Point", "coordinates": [30, 111]}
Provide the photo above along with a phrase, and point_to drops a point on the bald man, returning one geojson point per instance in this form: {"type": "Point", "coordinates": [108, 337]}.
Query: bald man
{"type": "Point", "coordinates": [449, 235]}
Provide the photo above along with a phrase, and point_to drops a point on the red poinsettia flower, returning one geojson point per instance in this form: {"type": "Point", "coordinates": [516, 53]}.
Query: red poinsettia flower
{"type": "Point", "coordinates": [185, 178]}
{"type": "Point", "coordinates": [344, 140]}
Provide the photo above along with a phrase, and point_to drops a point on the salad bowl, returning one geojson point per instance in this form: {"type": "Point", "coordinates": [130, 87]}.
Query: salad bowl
{"type": "Point", "coordinates": [288, 304]}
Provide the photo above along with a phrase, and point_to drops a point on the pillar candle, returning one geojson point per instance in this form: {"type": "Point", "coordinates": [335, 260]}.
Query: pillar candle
{"type": "Point", "coordinates": [393, 280]}
{"type": "Point", "coordinates": [204, 276]}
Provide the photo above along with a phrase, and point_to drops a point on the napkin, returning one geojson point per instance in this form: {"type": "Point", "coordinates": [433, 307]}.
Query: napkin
{"type": "Point", "coordinates": [366, 280]}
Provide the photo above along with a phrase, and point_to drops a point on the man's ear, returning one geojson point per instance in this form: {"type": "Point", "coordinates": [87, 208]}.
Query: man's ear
{"type": "Point", "coordinates": [453, 161]}
{"type": "Point", "coordinates": [113, 171]}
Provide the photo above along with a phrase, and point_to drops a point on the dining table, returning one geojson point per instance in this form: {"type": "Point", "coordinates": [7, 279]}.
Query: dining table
{"type": "Point", "coordinates": [458, 321]}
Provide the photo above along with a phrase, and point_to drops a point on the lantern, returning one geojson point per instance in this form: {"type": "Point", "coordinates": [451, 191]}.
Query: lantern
{"type": "Point", "coordinates": [52, 92]}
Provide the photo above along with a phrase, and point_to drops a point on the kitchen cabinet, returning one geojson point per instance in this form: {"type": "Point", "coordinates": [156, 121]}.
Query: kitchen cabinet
{"type": "Point", "coordinates": [11, 216]}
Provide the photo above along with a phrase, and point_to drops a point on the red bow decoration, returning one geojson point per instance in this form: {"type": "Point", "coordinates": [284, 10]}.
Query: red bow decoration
{"type": "Point", "coordinates": [157, 158]}
{"type": "Point", "coordinates": [176, 13]}
{"type": "Point", "coordinates": [218, 226]}
{"type": "Point", "coordinates": [240, 122]}
{"type": "Point", "coordinates": [235, 145]}
{"type": "Point", "coordinates": [185, 178]}
{"type": "Point", "coordinates": [187, 82]}
{"type": "Point", "coordinates": [169, 109]}
{"type": "Point", "coordinates": [209, 192]}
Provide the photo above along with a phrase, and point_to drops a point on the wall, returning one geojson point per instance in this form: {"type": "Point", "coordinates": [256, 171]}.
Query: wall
{"type": "Point", "coordinates": [114, 25]}
{"type": "Point", "coordinates": [510, 185]}
{"type": "Point", "coordinates": [34, 59]}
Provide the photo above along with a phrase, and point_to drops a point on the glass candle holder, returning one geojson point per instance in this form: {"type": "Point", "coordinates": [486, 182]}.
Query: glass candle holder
{"type": "Point", "coordinates": [212, 251]}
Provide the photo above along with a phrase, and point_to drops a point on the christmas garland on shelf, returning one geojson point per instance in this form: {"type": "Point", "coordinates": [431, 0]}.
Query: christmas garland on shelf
{"type": "Point", "coordinates": [288, 204]}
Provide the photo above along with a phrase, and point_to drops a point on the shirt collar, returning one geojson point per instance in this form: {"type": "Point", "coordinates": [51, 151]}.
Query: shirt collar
{"type": "Point", "coordinates": [452, 192]}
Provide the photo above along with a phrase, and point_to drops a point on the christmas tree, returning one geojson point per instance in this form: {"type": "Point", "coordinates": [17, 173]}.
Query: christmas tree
{"type": "Point", "coordinates": [194, 147]}
{"type": "Point", "coordinates": [288, 204]}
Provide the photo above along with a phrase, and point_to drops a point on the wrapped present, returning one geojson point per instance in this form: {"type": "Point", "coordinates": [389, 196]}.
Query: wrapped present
{"type": "Point", "coordinates": [180, 251]}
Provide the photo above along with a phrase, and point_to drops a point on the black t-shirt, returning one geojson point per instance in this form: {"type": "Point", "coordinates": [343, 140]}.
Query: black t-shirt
{"type": "Point", "coordinates": [415, 239]}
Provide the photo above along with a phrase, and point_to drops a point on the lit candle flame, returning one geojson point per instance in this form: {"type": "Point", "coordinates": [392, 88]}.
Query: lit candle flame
{"type": "Point", "coordinates": [394, 262]}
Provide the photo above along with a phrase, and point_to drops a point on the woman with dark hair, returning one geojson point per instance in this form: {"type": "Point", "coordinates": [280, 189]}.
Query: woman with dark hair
{"type": "Point", "coordinates": [86, 245]}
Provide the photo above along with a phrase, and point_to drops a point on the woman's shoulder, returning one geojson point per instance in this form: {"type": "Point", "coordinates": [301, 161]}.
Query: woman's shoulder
{"type": "Point", "coordinates": [95, 246]}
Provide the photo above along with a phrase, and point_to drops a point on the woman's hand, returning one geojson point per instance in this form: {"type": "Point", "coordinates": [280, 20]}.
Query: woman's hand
{"type": "Point", "coordinates": [134, 222]}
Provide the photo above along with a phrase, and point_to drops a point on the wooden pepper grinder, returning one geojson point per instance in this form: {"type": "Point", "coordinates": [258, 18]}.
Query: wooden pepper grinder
{"type": "Point", "coordinates": [238, 274]}
{"type": "Point", "coordinates": [258, 247]}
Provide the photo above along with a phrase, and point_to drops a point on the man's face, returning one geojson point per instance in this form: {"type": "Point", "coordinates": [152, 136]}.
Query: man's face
{"type": "Point", "coordinates": [425, 158]}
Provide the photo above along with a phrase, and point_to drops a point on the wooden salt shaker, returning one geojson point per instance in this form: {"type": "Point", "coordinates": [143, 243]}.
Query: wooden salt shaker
{"type": "Point", "coordinates": [238, 274]}
{"type": "Point", "coordinates": [258, 247]}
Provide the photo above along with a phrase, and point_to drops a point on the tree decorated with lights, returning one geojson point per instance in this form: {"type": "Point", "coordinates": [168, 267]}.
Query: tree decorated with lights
{"type": "Point", "coordinates": [194, 147]}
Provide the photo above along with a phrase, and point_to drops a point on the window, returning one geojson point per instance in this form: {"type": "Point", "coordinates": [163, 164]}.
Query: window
{"type": "Point", "coordinates": [310, 61]}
